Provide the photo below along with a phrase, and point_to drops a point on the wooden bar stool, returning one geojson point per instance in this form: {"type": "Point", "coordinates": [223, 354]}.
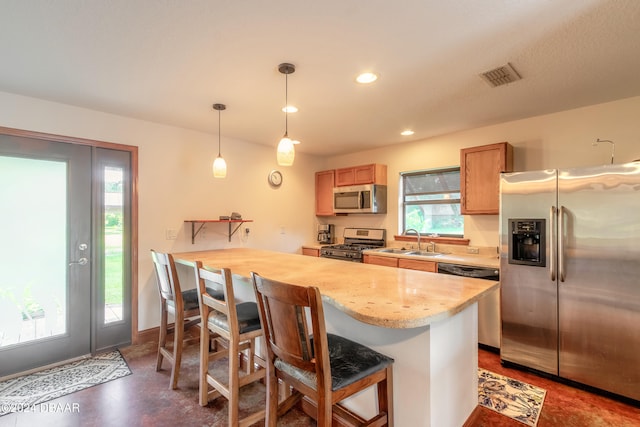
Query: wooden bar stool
{"type": "Point", "coordinates": [184, 307]}
{"type": "Point", "coordinates": [326, 368]}
{"type": "Point", "coordinates": [239, 325]}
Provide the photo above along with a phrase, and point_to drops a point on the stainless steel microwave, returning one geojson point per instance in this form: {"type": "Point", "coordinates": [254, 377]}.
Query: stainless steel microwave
{"type": "Point", "coordinates": [370, 198]}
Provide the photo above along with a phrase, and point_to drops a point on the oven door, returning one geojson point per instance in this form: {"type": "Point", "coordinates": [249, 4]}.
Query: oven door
{"type": "Point", "coordinates": [342, 258]}
{"type": "Point", "coordinates": [341, 255]}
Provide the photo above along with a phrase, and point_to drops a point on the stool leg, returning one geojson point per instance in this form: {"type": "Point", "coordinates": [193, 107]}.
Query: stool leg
{"type": "Point", "coordinates": [178, 335]}
{"type": "Point", "coordinates": [325, 409]}
{"type": "Point", "coordinates": [205, 346]}
{"type": "Point", "coordinates": [271, 416]}
{"type": "Point", "coordinates": [162, 340]}
{"type": "Point", "coordinates": [385, 396]}
{"type": "Point", "coordinates": [234, 388]}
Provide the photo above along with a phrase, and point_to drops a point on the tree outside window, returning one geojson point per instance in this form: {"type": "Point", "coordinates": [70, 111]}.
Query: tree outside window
{"type": "Point", "coordinates": [431, 202]}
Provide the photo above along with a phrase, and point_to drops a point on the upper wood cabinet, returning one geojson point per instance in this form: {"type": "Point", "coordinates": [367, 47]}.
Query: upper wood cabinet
{"type": "Point", "coordinates": [324, 192]}
{"type": "Point", "coordinates": [480, 169]}
{"type": "Point", "coordinates": [365, 174]}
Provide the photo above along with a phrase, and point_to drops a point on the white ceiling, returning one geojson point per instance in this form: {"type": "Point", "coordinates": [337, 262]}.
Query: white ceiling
{"type": "Point", "coordinates": [168, 61]}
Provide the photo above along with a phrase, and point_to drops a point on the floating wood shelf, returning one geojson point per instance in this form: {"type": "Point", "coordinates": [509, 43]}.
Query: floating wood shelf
{"type": "Point", "coordinates": [202, 222]}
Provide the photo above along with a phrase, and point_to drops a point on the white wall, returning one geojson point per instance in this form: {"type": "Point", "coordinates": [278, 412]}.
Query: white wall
{"type": "Point", "coordinates": [175, 181]}
{"type": "Point", "coordinates": [175, 184]}
{"type": "Point", "coordinates": [558, 140]}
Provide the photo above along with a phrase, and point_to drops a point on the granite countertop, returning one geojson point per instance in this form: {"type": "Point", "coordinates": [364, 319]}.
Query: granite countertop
{"type": "Point", "coordinates": [378, 295]}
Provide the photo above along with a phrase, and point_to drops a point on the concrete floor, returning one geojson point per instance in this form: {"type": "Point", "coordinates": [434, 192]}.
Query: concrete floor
{"type": "Point", "coordinates": [144, 399]}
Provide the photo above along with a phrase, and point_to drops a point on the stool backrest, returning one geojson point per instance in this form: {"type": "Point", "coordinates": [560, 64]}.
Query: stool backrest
{"type": "Point", "coordinates": [166, 275]}
{"type": "Point", "coordinates": [289, 313]}
{"type": "Point", "coordinates": [227, 307]}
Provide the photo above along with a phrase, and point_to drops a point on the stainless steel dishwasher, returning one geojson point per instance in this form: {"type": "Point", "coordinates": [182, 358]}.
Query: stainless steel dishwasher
{"type": "Point", "coordinates": [488, 306]}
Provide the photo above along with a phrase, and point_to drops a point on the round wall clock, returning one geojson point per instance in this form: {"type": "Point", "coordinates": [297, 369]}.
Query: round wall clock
{"type": "Point", "coordinates": [275, 178]}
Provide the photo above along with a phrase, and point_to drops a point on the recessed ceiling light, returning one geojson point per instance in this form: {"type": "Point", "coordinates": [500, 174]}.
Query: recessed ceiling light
{"type": "Point", "coordinates": [365, 78]}
{"type": "Point", "coordinates": [290, 109]}
{"type": "Point", "coordinates": [407, 132]}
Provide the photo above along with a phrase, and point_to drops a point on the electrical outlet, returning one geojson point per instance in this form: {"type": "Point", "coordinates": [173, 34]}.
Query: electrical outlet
{"type": "Point", "coordinates": [171, 234]}
{"type": "Point", "coordinates": [471, 250]}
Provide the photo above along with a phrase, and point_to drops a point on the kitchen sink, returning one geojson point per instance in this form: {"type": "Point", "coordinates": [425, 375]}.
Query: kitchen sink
{"type": "Point", "coordinates": [395, 251]}
{"type": "Point", "coordinates": [424, 253]}
{"type": "Point", "coordinates": [410, 252]}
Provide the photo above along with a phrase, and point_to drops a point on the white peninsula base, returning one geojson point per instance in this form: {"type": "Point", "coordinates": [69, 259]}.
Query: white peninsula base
{"type": "Point", "coordinates": [435, 370]}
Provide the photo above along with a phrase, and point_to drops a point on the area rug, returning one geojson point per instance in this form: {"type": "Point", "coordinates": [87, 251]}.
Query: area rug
{"type": "Point", "coordinates": [27, 391]}
{"type": "Point", "coordinates": [513, 398]}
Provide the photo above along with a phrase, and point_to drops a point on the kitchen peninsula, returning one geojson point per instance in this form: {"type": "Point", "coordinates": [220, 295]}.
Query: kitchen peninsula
{"type": "Point", "coordinates": [425, 321]}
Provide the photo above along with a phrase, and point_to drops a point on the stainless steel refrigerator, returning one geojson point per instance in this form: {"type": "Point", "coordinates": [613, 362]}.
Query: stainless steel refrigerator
{"type": "Point", "coordinates": [570, 274]}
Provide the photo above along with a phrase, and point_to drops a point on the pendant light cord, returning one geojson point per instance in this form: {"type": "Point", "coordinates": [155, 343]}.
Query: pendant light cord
{"type": "Point", "coordinates": [219, 133]}
{"type": "Point", "coordinates": [286, 105]}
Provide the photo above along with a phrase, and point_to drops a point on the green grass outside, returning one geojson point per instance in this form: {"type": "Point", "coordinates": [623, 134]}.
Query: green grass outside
{"type": "Point", "coordinates": [113, 268]}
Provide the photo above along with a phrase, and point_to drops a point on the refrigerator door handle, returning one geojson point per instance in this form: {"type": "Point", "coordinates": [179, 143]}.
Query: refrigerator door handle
{"type": "Point", "coordinates": [561, 225]}
{"type": "Point", "coordinates": [552, 245]}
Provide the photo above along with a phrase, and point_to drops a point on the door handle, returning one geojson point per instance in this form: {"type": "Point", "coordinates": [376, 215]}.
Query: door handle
{"type": "Point", "coordinates": [561, 226]}
{"type": "Point", "coordinates": [81, 261]}
{"type": "Point", "coordinates": [552, 244]}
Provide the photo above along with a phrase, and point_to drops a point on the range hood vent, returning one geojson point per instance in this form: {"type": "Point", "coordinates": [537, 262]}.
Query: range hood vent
{"type": "Point", "coordinates": [501, 75]}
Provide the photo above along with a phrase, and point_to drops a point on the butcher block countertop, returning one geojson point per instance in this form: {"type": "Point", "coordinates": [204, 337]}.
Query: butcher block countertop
{"type": "Point", "coordinates": [377, 295]}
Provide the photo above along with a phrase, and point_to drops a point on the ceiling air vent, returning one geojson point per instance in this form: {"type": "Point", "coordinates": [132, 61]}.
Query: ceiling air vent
{"type": "Point", "coordinates": [501, 75]}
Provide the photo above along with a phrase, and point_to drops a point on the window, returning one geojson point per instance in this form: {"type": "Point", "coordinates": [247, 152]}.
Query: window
{"type": "Point", "coordinates": [431, 202]}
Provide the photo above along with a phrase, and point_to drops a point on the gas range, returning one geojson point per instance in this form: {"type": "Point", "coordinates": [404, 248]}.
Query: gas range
{"type": "Point", "coordinates": [356, 240]}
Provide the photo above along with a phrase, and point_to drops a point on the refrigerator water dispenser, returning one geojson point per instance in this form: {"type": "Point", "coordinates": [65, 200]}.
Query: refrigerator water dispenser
{"type": "Point", "coordinates": [527, 243]}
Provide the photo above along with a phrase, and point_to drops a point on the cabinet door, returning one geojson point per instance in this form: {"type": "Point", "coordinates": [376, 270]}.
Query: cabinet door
{"type": "Point", "coordinates": [370, 174]}
{"type": "Point", "coordinates": [416, 264]}
{"type": "Point", "coordinates": [364, 174]}
{"type": "Point", "coordinates": [480, 169]}
{"type": "Point", "coordinates": [345, 176]}
{"type": "Point", "coordinates": [311, 252]}
{"type": "Point", "coordinates": [380, 260]}
{"type": "Point", "coordinates": [324, 193]}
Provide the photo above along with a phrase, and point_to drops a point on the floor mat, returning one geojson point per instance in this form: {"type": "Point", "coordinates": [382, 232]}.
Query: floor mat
{"type": "Point", "coordinates": [22, 393]}
{"type": "Point", "coordinates": [513, 398]}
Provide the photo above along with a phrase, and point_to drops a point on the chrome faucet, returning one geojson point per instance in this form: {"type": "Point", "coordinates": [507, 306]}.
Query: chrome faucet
{"type": "Point", "coordinates": [404, 233]}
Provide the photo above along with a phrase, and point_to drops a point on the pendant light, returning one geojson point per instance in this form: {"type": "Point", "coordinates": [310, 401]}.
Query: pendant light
{"type": "Point", "coordinates": [219, 165]}
{"type": "Point", "coordinates": [286, 151]}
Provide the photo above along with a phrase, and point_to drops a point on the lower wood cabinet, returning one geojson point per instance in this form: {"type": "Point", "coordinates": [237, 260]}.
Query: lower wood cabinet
{"type": "Point", "coordinates": [416, 264]}
{"type": "Point", "coordinates": [310, 252]}
{"type": "Point", "coordinates": [380, 260]}
{"type": "Point", "coordinates": [410, 264]}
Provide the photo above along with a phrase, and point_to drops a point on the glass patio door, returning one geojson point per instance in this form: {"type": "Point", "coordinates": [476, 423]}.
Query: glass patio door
{"type": "Point", "coordinates": [45, 253]}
